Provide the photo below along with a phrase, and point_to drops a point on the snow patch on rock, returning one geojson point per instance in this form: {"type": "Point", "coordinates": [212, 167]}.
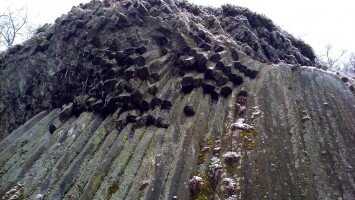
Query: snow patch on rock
{"type": "Point", "coordinates": [39, 197]}
{"type": "Point", "coordinates": [256, 112]}
{"type": "Point", "coordinates": [231, 157]}
{"type": "Point", "coordinates": [239, 124]}
{"type": "Point", "coordinates": [196, 179]}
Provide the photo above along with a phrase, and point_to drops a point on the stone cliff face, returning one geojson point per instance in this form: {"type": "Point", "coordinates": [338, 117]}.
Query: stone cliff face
{"type": "Point", "coordinates": [165, 100]}
{"type": "Point", "coordinates": [102, 47]}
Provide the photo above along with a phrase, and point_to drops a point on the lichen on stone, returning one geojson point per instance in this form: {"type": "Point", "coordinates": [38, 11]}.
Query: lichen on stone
{"type": "Point", "coordinates": [112, 189]}
{"type": "Point", "coordinates": [200, 187]}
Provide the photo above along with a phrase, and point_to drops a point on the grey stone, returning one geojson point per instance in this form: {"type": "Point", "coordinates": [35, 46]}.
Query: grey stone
{"type": "Point", "coordinates": [66, 112]}
{"type": "Point", "coordinates": [142, 10]}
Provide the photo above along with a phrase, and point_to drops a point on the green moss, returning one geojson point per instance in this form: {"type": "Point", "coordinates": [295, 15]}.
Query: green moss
{"type": "Point", "coordinates": [93, 185]}
{"type": "Point", "coordinates": [231, 169]}
{"type": "Point", "coordinates": [141, 193]}
{"type": "Point", "coordinates": [293, 77]}
{"type": "Point", "coordinates": [97, 180]}
{"type": "Point", "coordinates": [201, 196]}
{"type": "Point", "coordinates": [206, 190]}
{"type": "Point", "coordinates": [201, 158]}
{"type": "Point", "coordinates": [23, 152]}
{"type": "Point", "coordinates": [209, 142]}
{"type": "Point", "coordinates": [112, 189]}
{"type": "Point", "coordinates": [249, 139]}
{"type": "Point", "coordinates": [97, 139]}
{"type": "Point", "coordinates": [22, 196]}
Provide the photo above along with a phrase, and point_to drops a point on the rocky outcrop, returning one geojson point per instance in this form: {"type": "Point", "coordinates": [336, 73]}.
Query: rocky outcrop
{"type": "Point", "coordinates": [165, 100]}
{"type": "Point", "coordinates": [290, 136]}
{"type": "Point", "coordinates": [99, 53]}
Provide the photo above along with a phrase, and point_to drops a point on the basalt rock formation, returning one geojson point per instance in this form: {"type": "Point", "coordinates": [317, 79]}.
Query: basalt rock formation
{"type": "Point", "coordinates": [162, 99]}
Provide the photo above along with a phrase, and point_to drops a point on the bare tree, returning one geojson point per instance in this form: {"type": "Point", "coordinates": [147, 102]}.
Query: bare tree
{"type": "Point", "coordinates": [349, 66]}
{"type": "Point", "coordinates": [12, 24]}
{"type": "Point", "coordinates": [331, 61]}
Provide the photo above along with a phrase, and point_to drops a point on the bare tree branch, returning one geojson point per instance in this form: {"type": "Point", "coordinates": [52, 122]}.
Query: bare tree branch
{"type": "Point", "coordinates": [12, 24]}
{"type": "Point", "coordinates": [329, 60]}
{"type": "Point", "coordinates": [349, 66]}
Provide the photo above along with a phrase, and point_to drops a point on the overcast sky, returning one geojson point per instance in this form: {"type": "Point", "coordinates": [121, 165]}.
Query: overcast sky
{"type": "Point", "coordinates": [317, 22]}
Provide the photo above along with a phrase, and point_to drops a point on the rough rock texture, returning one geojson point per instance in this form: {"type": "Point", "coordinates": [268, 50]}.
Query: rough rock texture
{"type": "Point", "coordinates": [102, 50]}
{"type": "Point", "coordinates": [164, 100]}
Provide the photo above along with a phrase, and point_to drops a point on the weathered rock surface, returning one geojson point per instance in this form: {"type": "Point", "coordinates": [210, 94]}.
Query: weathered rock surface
{"type": "Point", "coordinates": [164, 100]}
{"type": "Point", "coordinates": [90, 55]}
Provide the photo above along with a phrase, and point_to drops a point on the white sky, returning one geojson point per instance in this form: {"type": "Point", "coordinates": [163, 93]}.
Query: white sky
{"type": "Point", "coordinates": [317, 22]}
